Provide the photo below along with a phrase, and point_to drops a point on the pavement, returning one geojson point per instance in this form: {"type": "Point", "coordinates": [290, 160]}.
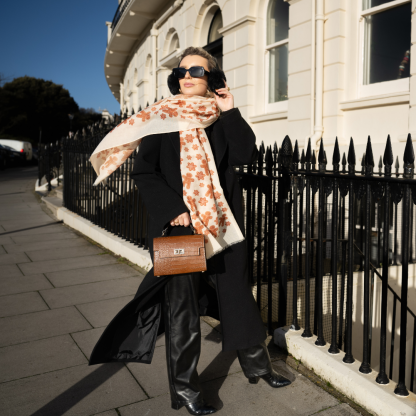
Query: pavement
{"type": "Point", "coordinates": [58, 291]}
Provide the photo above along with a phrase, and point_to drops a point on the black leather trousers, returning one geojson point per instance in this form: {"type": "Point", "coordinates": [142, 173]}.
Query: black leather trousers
{"type": "Point", "coordinates": [183, 341]}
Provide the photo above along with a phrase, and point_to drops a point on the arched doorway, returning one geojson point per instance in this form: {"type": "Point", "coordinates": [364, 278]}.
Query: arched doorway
{"type": "Point", "coordinates": [214, 41]}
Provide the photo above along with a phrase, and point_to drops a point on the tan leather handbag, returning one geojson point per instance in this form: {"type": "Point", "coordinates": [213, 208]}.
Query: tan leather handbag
{"type": "Point", "coordinates": [179, 255]}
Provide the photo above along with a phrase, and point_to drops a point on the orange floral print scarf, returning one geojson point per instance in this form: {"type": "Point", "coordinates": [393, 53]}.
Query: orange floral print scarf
{"type": "Point", "coordinates": [202, 192]}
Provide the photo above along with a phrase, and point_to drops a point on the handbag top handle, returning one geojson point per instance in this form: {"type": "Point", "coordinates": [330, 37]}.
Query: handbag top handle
{"type": "Point", "coordinates": [164, 232]}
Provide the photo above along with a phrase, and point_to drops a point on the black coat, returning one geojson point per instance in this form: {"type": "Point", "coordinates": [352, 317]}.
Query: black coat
{"type": "Point", "coordinates": [132, 333]}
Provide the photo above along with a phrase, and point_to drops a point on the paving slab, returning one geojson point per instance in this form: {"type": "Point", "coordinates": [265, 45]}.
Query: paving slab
{"type": "Point", "coordinates": [86, 340]}
{"type": "Point", "coordinates": [66, 264]}
{"type": "Point", "coordinates": [212, 364]}
{"type": "Point", "coordinates": [39, 325]}
{"type": "Point", "coordinates": [91, 274]}
{"type": "Point", "coordinates": [34, 229]}
{"type": "Point", "coordinates": [37, 357]}
{"type": "Point", "coordinates": [10, 270]}
{"type": "Point", "coordinates": [235, 396]}
{"type": "Point", "coordinates": [17, 283]}
{"type": "Point", "coordinates": [100, 313]}
{"type": "Point", "coordinates": [62, 234]}
{"type": "Point", "coordinates": [77, 391]}
{"type": "Point", "coordinates": [2, 250]}
{"type": "Point", "coordinates": [340, 410]}
{"type": "Point", "coordinates": [108, 413]}
{"type": "Point", "coordinates": [90, 292]}
{"type": "Point", "coordinates": [14, 258]}
{"type": "Point", "coordinates": [21, 303]}
{"type": "Point", "coordinates": [63, 253]}
{"type": "Point", "coordinates": [46, 245]}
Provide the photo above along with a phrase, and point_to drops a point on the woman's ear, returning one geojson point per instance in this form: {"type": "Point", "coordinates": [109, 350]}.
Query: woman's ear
{"type": "Point", "coordinates": [173, 84]}
{"type": "Point", "coordinates": [216, 79]}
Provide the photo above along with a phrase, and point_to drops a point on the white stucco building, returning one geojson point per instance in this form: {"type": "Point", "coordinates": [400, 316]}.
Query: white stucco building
{"type": "Point", "coordinates": [306, 68]}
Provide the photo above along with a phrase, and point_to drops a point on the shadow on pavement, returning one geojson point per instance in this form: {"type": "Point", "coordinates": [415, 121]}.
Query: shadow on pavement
{"type": "Point", "coordinates": [79, 391]}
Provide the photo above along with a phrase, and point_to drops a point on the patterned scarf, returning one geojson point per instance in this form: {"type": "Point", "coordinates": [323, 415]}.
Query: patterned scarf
{"type": "Point", "coordinates": [202, 192]}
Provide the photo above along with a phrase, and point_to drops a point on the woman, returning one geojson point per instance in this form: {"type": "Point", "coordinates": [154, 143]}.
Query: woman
{"type": "Point", "coordinates": [180, 170]}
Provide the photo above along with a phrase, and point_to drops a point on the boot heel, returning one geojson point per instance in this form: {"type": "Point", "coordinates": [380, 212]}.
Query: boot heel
{"type": "Point", "coordinates": [177, 406]}
{"type": "Point", "coordinates": [253, 380]}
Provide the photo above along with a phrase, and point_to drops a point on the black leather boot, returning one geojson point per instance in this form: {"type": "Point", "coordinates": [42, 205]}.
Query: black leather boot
{"type": "Point", "coordinates": [183, 339]}
{"type": "Point", "coordinates": [256, 364]}
{"type": "Point", "coordinates": [272, 379]}
{"type": "Point", "coordinates": [196, 408]}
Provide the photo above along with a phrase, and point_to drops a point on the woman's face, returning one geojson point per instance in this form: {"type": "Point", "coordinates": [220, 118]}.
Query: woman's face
{"type": "Point", "coordinates": [194, 86]}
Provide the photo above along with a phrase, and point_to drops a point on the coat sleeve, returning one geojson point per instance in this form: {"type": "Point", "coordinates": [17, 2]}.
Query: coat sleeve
{"type": "Point", "coordinates": [162, 202]}
{"type": "Point", "coordinates": [240, 137]}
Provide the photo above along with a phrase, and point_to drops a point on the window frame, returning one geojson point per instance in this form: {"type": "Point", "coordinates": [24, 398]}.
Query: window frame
{"type": "Point", "coordinates": [279, 105]}
{"type": "Point", "coordinates": [379, 88]}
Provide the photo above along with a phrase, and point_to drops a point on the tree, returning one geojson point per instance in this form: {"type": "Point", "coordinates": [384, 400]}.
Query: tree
{"type": "Point", "coordinates": [29, 105]}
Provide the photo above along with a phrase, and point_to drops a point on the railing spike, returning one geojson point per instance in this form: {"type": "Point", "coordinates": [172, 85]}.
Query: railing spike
{"type": "Point", "coordinates": [380, 164]}
{"type": "Point", "coordinates": [344, 160]}
{"type": "Point", "coordinates": [351, 153]}
{"type": "Point", "coordinates": [140, 107]}
{"type": "Point", "coordinates": [397, 165]}
{"type": "Point", "coordinates": [309, 152]}
{"type": "Point", "coordinates": [302, 157]}
{"type": "Point", "coordinates": [388, 153]}
{"type": "Point", "coordinates": [369, 158]}
{"type": "Point", "coordinates": [321, 155]}
{"type": "Point", "coordinates": [262, 146]}
{"type": "Point", "coordinates": [155, 100]}
{"type": "Point", "coordinates": [336, 157]}
{"type": "Point", "coordinates": [313, 158]}
{"type": "Point", "coordinates": [275, 149]}
{"type": "Point", "coordinates": [363, 160]}
{"type": "Point", "coordinates": [296, 153]}
{"type": "Point", "coordinates": [409, 154]}
{"type": "Point", "coordinates": [147, 105]}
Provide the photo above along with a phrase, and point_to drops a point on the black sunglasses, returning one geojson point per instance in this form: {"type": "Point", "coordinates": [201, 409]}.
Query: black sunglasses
{"type": "Point", "coordinates": [194, 72]}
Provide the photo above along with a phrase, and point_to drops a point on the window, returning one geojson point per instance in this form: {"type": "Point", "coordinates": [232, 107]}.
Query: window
{"type": "Point", "coordinates": [387, 41]}
{"type": "Point", "coordinates": [277, 52]}
{"type": "Point", "coordinates": [216, 24]}
{"type": "Point", "coordinates": [214, 38]}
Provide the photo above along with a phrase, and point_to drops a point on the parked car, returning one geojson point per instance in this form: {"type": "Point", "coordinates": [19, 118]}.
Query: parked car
{"type": "Point", "coordinates": [25, 148]}
{"type": "Point", "coordinates": [4, 158]}
{"type": "Point", "coordinates": [14, 158]}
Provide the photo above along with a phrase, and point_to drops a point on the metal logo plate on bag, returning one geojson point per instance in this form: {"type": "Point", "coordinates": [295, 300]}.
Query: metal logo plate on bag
{"type": "Point", "coordinates": [179, 251]}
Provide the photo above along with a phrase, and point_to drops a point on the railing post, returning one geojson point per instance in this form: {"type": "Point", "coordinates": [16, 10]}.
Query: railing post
{"type": "Point", "coordinates": [365, 367]}
{"type": "Point", "coordinates": [388, 161]}
{"type": "Point", "coordinates": [333, 349]}
{"type": "Point", "coordinates": [307, 332]}
{"type": "Point", "coordinates": [320, 341]}
{"type": "Point", "coordinates": [285, 160]}
{"type": "Point", "coordinates": [295, 178]}
{"type": "Point", "coordinates": [348, 358]}
{"type": "Point", "coordinates": [408, 159]}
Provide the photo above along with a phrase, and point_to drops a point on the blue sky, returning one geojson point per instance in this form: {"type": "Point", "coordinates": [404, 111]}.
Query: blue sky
{"type": "Point", "coordinates": [61, 41]}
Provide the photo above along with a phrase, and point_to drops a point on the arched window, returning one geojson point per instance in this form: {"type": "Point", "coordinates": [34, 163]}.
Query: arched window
{"type": "Point", "coordinates": [277, 39]}
{"type": "Point", "coordinates": [216, 24]}
{"type": "Point", "coordinates": [214, 46]}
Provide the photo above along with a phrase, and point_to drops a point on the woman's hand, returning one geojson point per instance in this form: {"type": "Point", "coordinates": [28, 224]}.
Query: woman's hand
{"type": "Point", "coordinates": [225, 100]}
{"type": "Point", "coordinates": [182, 219]}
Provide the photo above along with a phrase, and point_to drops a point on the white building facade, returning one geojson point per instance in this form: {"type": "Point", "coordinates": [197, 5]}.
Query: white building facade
{"type": "Point", "coordinates": [303, 68]}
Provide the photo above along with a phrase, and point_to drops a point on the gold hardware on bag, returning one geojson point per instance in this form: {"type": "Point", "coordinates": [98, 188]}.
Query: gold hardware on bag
{"type": "Point", "coordinates": [179, 255]}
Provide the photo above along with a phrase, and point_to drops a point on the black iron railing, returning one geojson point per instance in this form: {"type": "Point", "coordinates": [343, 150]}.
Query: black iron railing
{"type": "Point", "coordinates": [50, 163]}
{"type": "Point", "coordinates": [315, 237]}
{"type": "Point", "coordinates": [323, 229]}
